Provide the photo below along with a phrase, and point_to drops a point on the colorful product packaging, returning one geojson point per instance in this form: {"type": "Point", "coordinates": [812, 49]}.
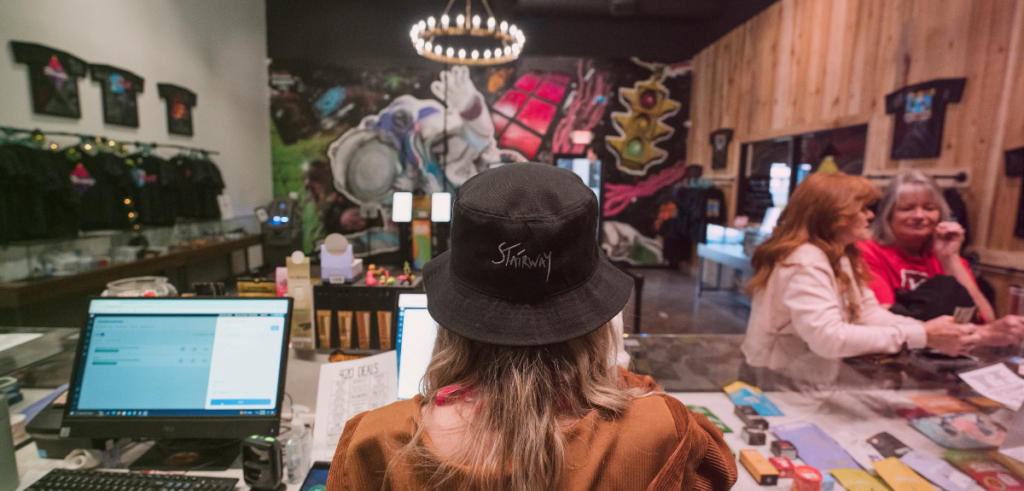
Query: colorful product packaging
{"type": "Point", "coordinates": [816, 448]}
{"type": "Point", "coordinates": [806, 478]}
{"type": "Point", "coordinates": [760, 469]}
{"type": "Point", "coordinates": [938, 471]}
{"type": "Point", "coordinates": [942, 404]}
{"type": "Point", "coordinates": [985, 470]}
{"type": "Point", "coordinates": [711, 417]}
{"type": "Point", "coordinates": [900, 477]}
{"type": "Point", "coordinates": [783, 465]}
{"type": "Point", "coordinates": [747, 395]}
{"type": "Point", "coordinates": [858, 480]}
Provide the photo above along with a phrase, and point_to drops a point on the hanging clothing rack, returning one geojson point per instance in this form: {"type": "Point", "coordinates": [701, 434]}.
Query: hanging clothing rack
{"type": "Point", "coordinates": [102, 139]}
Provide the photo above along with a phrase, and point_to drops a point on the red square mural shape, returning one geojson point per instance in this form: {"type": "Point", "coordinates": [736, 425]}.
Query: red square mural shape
{"type": "Point", "coordinates": [510, 102]}
{"type": "Point", "coordinates": [536, 115]}
{"type": "Point", "coordinates": [500, 122]}
{"type": "Point", "coordinates": [527, 82]}
{"type": "Point", "coordinates": [518, 138]}
{"type": "Point", "coordinates": [551, 92]}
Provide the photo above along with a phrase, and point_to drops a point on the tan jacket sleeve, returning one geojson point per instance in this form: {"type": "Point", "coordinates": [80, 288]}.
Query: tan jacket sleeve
{"type": "Point", "coordinates": [702, 461]}
{"type": "Point", "coordinates": [336, 477]}
{"type": "Point", "coordinates": [818, 318]}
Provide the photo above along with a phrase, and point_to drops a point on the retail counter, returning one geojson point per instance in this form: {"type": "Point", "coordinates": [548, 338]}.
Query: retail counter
{"type": "Point", "coordinates": [693, 369]}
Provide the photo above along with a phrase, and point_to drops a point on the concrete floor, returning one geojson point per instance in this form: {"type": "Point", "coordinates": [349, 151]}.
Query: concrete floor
{"type": "Point", "coordinates": [668, 306]}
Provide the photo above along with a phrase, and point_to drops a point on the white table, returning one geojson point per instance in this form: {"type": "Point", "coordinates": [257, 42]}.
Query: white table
{"type": "Point", "coordinates": [730, 255]}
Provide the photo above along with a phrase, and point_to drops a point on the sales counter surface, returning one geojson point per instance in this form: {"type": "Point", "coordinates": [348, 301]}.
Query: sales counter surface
{"type": "Point", "coordinates": [692, 369]}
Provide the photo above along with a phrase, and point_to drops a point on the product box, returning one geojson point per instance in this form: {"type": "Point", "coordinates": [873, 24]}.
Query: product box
{"type": "Point", "coordinates": [745, 413]}
{"type": "Point", "coordinates": [753, 436]}
{"type": "Point", "coordinates": [782, 448]}
{"type": "Point", "coordinates": [763, 472]}
{"type": "Point", "coordinates": [256, 287]}
{"type": "Point", "coordinates": [783, 465]}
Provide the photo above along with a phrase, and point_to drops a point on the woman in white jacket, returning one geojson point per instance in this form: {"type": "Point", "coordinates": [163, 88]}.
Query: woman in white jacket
{"type": "Point", "coordinates": [811, 303]}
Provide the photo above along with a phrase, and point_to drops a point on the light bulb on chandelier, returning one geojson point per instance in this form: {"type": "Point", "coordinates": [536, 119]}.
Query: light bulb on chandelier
{"type": "Point", "coordinates": [467, 36]}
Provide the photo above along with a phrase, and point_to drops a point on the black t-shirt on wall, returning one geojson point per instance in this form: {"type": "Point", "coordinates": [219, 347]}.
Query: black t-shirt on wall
{"type": "Point", "coordinates": [156, 180]}
{"type": "Point", "coordinates": [180, 102]}
{"type": "Point", "coordinates": [920, 116]}
{"type": "Point", "coordinates": [53, 75]}
{"type": "Point", "coordinates": [120, 88]}
{"type": "Point", "coordinates": [106, 189]}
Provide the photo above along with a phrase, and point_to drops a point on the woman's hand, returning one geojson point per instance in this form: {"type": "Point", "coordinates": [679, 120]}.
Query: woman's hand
{"type": "Point", "coordinates": [1008, 331]}
{"type": "Point", "coordinates": [947, 239]}
{"type": "Point", "coordinates": [950, 338]}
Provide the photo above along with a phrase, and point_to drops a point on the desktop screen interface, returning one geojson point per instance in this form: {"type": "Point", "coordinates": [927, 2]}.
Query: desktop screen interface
{"type": "Point", "coordinates": [416, 334]}
{"type": "Point", "coordinates": [180, 357]}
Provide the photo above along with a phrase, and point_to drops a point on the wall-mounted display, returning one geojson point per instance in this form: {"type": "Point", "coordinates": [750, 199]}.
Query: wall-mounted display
{"type": "Point", "coordinates": [120, 89]}
{"type": "Point", "coordinates": [920, 111]}
{"type": "Point", "coordinates": [53, 77]}
{"type": "Point", "coordinates": [180, 102]}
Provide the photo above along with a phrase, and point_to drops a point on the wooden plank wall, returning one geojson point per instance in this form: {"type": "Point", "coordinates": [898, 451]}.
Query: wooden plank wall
{"type": "Point", "coordinates": [805, 65]}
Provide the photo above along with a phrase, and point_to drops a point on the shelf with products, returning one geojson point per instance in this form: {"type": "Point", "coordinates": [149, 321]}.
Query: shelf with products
{"type": "Point", "coordinates": [35, 271]}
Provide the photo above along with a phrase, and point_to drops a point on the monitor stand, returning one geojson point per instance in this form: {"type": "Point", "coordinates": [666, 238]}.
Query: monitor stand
{"type": "Point", "coordinates": [188, 455]}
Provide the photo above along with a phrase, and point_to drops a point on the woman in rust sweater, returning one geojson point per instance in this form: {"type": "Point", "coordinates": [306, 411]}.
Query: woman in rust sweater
{"type": "Point", "coordinates": [522, 392]}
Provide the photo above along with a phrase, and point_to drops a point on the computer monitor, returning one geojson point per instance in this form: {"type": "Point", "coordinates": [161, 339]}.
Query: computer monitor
{"type": "Point", "coordinates": [416, 333]}
{"type": "Point", "coordinates": [588, 170]}
{"type": "Point", "coordinates": [179, 368]}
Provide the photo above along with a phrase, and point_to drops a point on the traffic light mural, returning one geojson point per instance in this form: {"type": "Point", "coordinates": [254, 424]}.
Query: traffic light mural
{"type": "Point", "coordinates": [642, 126]}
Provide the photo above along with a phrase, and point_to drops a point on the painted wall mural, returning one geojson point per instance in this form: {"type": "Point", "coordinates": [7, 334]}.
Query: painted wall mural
{"type": "Point", "coordinates": [346, 138]}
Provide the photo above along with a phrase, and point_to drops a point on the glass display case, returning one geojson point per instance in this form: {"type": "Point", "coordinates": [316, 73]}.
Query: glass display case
{"type": "Point", "coordinates": [95, 250]}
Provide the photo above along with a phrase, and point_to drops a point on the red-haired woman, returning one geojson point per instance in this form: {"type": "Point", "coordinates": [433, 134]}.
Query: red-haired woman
{"type": "Point", "coordinates": [811, 303]}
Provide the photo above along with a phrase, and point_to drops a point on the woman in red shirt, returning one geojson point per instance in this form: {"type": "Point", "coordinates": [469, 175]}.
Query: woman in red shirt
{"type": "Point", "coordinates": [915, 241]}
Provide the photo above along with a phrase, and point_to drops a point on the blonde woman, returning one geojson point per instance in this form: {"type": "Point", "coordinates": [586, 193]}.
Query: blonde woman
{"type": "Point", "coordinates": [521, 393]}
{"type": "Point", "coordinates": [913, 240]}
{"type": "Point", "coordinates": [811, 302]}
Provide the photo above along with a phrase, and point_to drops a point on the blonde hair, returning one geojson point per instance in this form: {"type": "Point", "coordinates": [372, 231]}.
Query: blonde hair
{"type": "Point", "coordinates": [881, 227]}
{"type": "Point", "coordinates": [513, 437]}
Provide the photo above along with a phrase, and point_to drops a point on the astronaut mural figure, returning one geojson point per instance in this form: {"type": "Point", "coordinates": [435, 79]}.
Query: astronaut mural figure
{"type": "Point", "coordinates": [402, 147]}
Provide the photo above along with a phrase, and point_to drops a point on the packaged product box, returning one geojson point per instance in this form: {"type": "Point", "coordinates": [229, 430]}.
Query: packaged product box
{"type": "Point", "coordinates": [760, 469]}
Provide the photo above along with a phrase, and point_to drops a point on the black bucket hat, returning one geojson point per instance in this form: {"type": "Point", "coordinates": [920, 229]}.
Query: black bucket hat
{"type": "Point", "coordinates": [524, 268]}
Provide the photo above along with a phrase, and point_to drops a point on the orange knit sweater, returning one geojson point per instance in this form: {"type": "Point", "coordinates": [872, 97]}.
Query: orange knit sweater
{"type": "Point", "coordinates": [657, 444]}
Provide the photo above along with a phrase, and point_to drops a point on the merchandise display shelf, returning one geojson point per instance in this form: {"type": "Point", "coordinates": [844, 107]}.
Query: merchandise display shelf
{"type": "Point", "coordinates": [21, 293]}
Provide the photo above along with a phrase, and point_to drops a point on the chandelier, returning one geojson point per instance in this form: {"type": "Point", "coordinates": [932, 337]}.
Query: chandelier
{"type": "Point", "coordinates": [468, 40]}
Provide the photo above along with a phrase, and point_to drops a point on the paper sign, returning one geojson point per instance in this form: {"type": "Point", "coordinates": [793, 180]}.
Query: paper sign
{"type": "Point", "coordinates": [998, 383]}
{"type": "Point", "coordinates": [814, 446]}
{"type": "Point", "coordinates": [346, 389]}
{"type": "Point", "coordinates": [747, 395]}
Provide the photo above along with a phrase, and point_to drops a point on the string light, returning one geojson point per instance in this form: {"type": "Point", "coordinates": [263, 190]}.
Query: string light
{"type": "Point", "coordinates": [462, 36]}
